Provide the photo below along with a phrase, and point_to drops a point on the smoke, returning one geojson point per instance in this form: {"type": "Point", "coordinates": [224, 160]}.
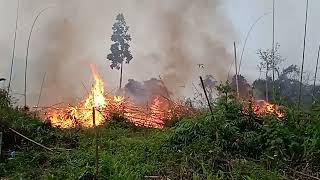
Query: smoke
{"type": "Point", "coordinates": [190, 29]}
{"type": "Point", "coordinates": [170, 39]}
{"type": "Point", "coordinates": [144, 92]}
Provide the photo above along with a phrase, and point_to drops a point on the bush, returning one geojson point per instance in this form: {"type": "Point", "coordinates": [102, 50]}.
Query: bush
{"type": "Point", "coordinates": [5, 101]}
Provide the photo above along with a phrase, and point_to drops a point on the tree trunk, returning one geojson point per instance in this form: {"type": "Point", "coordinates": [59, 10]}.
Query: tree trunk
{"type": "Point", "coordinates": [121, 70]}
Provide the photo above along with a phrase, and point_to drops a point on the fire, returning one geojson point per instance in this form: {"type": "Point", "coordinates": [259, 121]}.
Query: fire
{"type": "Point", "coordinates": [261, 108]}
{"type": "Point", "coordinates": [82, 114]}
{"type": "Point", "coordinates": [152, 116]}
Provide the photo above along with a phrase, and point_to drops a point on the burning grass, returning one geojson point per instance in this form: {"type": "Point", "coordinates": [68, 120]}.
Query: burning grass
{"type": "Point", "coordinates": [103, 104]}
{"type": "Point", "coordinates": [263, 108]}
{"type": "Point", "coordinates": [228, 145]}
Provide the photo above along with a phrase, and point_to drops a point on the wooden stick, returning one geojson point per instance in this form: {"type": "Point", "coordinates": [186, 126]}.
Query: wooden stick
{"type": "Point", "coordinates": [48, 107]}
{"type": "Point", "coordinates": [0, 143]}
{"type": "Point", "coordinates": [205, 93]}
{"type": "Point", "coordinates": [96, 140]}
{"type": "Point", "coordinates": [49, 149]}
{"type": "Point", "coordinates": [306, 175]}
{"type": "Point", "coordinates": [156, 177]}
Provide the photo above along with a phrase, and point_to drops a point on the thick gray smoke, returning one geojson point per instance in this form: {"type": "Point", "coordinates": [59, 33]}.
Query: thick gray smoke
{"type": "Point", "coordinates": [145, 92]}
{"type": "Point", "coordinates": [170, 39]}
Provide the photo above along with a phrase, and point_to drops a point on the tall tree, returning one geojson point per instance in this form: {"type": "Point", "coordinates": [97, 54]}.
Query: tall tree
{"type": "Point", "coordinates": [244, 88]}
{"type": "Point", "coordinates": [286, 86]}
{"type": "Point", "coordinates": [270, 60]}
{"type": "Point", "coordinates": [120, 48]}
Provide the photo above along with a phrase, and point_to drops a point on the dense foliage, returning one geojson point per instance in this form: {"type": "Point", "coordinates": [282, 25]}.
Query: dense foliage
{"type": "Point", "coordinates": [229, 144]}
{"type": "Point", "coordinates": [120, 52]}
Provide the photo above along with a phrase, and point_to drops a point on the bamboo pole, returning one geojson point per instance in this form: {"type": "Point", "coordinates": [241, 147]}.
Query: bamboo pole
{"type": "Point", "coordinates": [273, 49]}
{"type": "Point", "coordinates": [247, 37]}
{"type": "Point", "coordinates": [27, 54]}
{"type": "Point", "coordinates": [44, 76]}
{"type": "Point", "coordinates": [14, 46]}
{"type": "Point", "coordinates": [315, 76]}
{"type": "Point", "coordinates": [236, 67]}
{"type": "Point", "coordinates": [303, 53]}
{"type": "Point", "coordinates": [205, 93]}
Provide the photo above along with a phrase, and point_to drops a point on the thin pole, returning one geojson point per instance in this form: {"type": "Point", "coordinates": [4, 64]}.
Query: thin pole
{"type": "Point", "coordinates": [303, 53]}
{"type": "Point", "coordinates": [247, 37]}
{"type": "Point", "coordinates": [315, 75]}
{"type": "Point", "coordinates": [236, 66]}
{"type": "Point", "coordinates": [273, 49]}
{"type": "Point", "coordinates": [267, 88]}
{"type": "Point", "coordinates": [27, 55]}
{"type": "Point", "coordinates": [96, 141]}
{"type": "Point", "coordinates": [14, 46]}
{"type": "Point", "coordinates": [44, 77]}
{"type": "Point", "coordinates": [96, 137]}
{"type": "Point", "coordinates": [245, 42]}
{"type": "Point", "coordinates": [49, 149]}
{"type": "Point", "coordinates": [205, 93]}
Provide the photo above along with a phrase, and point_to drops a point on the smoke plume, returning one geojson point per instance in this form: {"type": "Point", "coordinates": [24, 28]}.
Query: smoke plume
{"type": "Point", "coordinates": [170, 39]}
{"type": "Point", "coordinates": [145, 92]}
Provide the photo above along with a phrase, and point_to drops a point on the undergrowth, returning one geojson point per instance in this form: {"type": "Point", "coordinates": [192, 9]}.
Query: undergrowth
{"type": "Point", "coordinates": [229, 144]}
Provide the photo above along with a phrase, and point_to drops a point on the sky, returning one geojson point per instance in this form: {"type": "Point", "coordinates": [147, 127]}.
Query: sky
{"type": "Point", "coordinates": [289, 30]}
{"type": "Point", "coordinates": [76, 33]}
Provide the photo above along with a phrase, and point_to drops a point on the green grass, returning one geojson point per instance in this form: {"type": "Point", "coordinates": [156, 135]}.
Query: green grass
{"type": "Point", "coordinates": [228, 145]}
{"type": "Point", "coordinates": [125, 153]}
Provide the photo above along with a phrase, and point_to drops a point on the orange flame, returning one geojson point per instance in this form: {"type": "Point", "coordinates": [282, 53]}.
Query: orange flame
{"type": "Point", "coordinates": [153, 116]}
{"type": "Point", "coordinates": [82, 114]}
{"type": "Point", "coordinates": [261, 108]}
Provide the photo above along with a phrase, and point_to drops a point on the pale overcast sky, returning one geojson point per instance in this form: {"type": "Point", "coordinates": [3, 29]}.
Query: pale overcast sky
{"type": "Point", "coordinates": [289, 29]}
